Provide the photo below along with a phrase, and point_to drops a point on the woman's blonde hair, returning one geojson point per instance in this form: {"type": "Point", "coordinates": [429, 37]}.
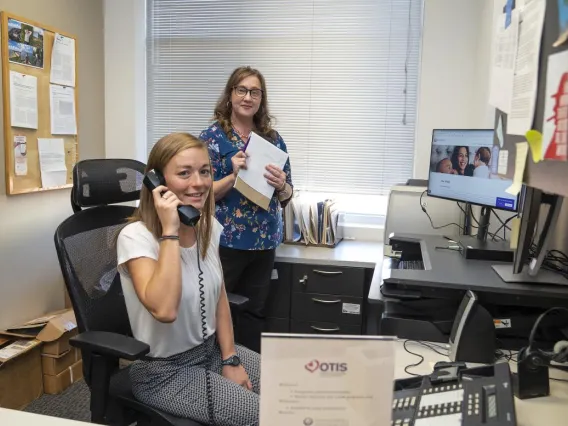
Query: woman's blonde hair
{"type": "Point", "coordinates": [162, 153]}
{"type": "Point", "coordinates": [262, 119]}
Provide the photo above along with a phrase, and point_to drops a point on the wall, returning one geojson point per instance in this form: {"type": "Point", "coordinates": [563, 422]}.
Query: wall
{"type": "Point", "coordinates": [125, 72]}
{"type": "Point", "coordinates": [454, 79]}
{"type": "Point", "coordinates": [31, 282]}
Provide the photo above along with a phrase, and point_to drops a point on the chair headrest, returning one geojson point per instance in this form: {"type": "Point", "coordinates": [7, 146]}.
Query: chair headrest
{"type": "Point", "coordinates": [106, 181]}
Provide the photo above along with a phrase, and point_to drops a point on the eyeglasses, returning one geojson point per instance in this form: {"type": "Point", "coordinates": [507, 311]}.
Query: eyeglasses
{"type": "Point", "coordinates": [242, 91]}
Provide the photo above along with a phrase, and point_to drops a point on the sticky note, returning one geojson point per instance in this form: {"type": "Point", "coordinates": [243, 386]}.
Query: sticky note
{"type": "Point", "coordinates": [534, 138]}
{"type": "Point", "coordinates": [520, 163]}
{"type": "Point", "coordinates": [503, 162]}
{"type": "Point", "coordinates": [500, 136]}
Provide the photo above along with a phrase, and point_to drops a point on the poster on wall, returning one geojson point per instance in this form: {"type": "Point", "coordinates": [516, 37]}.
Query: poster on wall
{"type": "Point", "coordinates": [25, 44]}
{"type": "Point", "coordinates": [555, 122]}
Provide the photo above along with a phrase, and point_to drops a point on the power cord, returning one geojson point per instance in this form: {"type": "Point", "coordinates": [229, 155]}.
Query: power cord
{"type": "Point", "coordinates": [431, 222]}
{"type": "Point", "coordinates": [432, 346]}
{"type": "Point", "coordinates": [204, 332]}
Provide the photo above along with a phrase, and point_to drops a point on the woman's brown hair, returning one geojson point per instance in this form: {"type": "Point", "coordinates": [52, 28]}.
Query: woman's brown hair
{"type": "Point", "coordinates": [262, 119]}
{"type": "Point", "coordinates": [162, 153]}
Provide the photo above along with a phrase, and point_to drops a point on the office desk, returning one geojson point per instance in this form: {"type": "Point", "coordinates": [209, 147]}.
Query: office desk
{"type": "Point", "coordinates": [451, 271]}
{"type": "Point", "coordinates": [350, 253]}
{"type": "Point", "coordinates": [546, 411]}
{"type": "Point", "coordinates": [15, 417]}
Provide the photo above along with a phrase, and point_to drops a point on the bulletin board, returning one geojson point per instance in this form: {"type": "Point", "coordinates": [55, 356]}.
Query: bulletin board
{"type": "Point", "coordinates": [27, 50]}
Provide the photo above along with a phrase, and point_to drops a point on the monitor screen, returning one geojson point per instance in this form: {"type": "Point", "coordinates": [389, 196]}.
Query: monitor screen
{"type": "Point", "coordinates": [464, 166]}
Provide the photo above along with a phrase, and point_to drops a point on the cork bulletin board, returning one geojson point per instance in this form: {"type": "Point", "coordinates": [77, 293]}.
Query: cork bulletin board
{"type": "Point", "coordinates": [40, 149]}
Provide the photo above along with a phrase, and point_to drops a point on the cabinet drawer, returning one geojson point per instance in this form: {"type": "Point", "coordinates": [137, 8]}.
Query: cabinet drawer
{"type": "Point", "coordinates": [278, 303]}
{"type": "Point", "coordinates": [314, 327]}
{"type": "Point", "coordinates": [277, 325]}
{"type": "Point", "coordinates": [328, 280]}
{"type": "Point", "coordinates": [327, 308]}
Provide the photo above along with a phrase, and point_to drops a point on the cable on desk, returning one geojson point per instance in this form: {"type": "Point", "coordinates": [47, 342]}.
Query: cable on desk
{"type": "Point", "coordinates": [412, 365]}
{"type": "Point", "coordinates": [559, 380]}
{"type": "Point", "coordinates": [429, 218]}
{"type": "Point", "coordinates": [432, 346]}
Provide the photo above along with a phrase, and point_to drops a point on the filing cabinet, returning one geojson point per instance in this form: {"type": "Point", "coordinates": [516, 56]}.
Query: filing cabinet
{"type": "Point", "coordinates": [317, 299]}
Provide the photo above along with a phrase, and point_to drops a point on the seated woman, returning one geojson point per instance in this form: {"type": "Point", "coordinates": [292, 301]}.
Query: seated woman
{"type": "Point", "coordinates": [160, 261]}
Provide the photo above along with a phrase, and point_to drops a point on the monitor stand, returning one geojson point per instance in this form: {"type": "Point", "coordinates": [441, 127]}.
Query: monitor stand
{"type": "Point", "coordinates": [479, 248]}
{"type": "Point", "coordinates": [543, 277]}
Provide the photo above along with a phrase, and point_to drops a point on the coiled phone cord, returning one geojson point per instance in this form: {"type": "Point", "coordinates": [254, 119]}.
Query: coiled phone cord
{"type": "Point", "coordinates": [204, 332]}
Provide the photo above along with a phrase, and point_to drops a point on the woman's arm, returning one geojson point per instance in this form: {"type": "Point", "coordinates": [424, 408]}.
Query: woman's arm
{"type": "Point", "coordinates": [158, 283]}
{"type": "Point", "coordinates": [222, 186]}
{"type": "Point", "coordinates": [225, 334]}
{"type": "Point", "coordinates": [226, 341]}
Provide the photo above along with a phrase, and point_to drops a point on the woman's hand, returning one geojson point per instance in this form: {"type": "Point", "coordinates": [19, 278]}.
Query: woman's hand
{"type": "Point", "coordinates": [275, 177]}
{"type": "Point", "coordinates": [239, 161]}
{"type": "Point", "coordinates": [166, 207]}
{"type": "Point", "coordinates": [238, 375]}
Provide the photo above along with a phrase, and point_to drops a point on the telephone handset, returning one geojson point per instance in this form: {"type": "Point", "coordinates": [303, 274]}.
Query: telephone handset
{"type": "Point", "coordinates": [188, 215]}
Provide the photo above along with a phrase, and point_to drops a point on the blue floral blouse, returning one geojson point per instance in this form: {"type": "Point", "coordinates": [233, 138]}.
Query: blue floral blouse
{"type": "Point", "coordinates": [246, 226]}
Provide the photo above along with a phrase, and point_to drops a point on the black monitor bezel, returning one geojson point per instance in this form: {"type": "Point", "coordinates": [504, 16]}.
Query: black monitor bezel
{"type": "Point", "coordinates": [516, 210]}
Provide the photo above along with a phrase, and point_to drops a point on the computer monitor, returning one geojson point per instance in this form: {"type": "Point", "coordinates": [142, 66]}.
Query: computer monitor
{"type": "Point", "coordinates": [464, 167]}
{"type": "Point", "coordinates": [534, 240]}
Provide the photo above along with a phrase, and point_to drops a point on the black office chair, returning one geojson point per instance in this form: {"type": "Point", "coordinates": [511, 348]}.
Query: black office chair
{"type": "Point", "coordinates": [85, 244]}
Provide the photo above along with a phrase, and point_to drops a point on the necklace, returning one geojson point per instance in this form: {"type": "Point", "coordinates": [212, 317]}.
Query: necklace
{"type": "Point", "coordinates": [241, 135]}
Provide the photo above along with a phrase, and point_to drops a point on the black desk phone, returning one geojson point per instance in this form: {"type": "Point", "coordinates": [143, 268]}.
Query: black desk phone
{"type": "Point", "coordinates": [188, 215]}
{"type": "Point", "coordinates": [454, 395]}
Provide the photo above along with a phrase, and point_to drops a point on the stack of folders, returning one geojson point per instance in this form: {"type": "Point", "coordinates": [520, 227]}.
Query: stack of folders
{"type": "Point", "coordinates": [311, 221]}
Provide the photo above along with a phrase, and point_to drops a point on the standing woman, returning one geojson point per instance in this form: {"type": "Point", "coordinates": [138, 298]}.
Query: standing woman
{"type": "Point", "coordinates": [250, 233]}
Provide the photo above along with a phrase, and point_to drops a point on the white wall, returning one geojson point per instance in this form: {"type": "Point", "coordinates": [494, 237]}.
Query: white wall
{"type": "Point", "coordinates": [125, 78]}
{"type": "Point", "coordinates": [454, 79]}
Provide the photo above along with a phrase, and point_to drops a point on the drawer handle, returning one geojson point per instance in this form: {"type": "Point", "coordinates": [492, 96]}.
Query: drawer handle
{"type": "Point", "coordinates": [317, 271]}
{"type": "Point", "coordinates": [327, 302]}
{"type": "Point", "coordinates": [304, 280]}
{"type": "Point", "coordinates": [325, 330]}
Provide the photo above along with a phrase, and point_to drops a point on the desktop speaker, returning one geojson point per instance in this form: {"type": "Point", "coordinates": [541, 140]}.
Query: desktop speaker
{"type": "Point", "coordinates": [472, 338]}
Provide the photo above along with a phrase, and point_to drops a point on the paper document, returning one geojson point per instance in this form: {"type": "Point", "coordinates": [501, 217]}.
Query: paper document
{"type": "Point", "coordinates": [62, 105]}
{"type": "Point", "coordinates": [63, 61]}
{"type": "Point", "coordinates": [23, 100]}
{"type": "Point", "coordinates": [20, 156]}
{"type": "Point", "coordinates": [326, 380]}
{"type": "Point", "coordinates": [503, 65]}
{"type": "Point", "coordinates": [52, 162]}
{"type": "Point", "coordinates": [525, 81]}
{"type": "Point", "coordinates": [520, 163]}
{"type": "Point", "coordinates": [555, 121]}
{"type": "Point", "coordinates": [251, 181]}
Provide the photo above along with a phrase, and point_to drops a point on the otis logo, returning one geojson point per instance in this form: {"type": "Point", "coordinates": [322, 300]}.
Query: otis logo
{"type": "Point", "coordinates": [335, 367]}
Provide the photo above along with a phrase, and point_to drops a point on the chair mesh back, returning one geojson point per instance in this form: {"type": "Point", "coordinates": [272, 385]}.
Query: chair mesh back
{"type": "Point", "coordinates": [106, 181]}
{"type": "Point", "coordinates": [87, 249]}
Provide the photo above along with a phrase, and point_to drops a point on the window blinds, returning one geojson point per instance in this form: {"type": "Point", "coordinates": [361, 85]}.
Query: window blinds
{"type": "Point", "coordinates": [341, 80]}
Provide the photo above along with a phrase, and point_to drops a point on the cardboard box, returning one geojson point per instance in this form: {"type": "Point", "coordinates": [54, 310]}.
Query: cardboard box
{"type": "Point", "coordinates": [54, 329]}
{"type": "Point", "coordinates": [52, 366]}
{"type": "Point", "coordinates": [20, 374]}
{"type": "Point", "coordinates": [56, 384]}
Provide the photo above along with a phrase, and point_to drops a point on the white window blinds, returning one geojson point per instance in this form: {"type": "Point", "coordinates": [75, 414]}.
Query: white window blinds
{"type": "Point", "coordinates": [341, 78]}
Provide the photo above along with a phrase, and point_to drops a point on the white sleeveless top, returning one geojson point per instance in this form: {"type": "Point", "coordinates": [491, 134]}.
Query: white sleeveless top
{"type": "Point", "coordinates": [167, 339]}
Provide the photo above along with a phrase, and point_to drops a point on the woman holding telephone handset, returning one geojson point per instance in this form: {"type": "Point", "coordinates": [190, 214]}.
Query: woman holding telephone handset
{"type": "Point", "coordinates": [172, 281]}
{"type": "Point", "coordinates": [250, 233]}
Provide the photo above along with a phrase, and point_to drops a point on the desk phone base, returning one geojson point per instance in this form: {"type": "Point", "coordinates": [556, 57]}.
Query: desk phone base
{"type": "Point", "coordinates": [456, 396]}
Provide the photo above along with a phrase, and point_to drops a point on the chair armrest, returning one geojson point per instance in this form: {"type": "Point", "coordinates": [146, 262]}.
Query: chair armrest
{"type": "Point", "coordinates": [237, 301]}
{"type": "Point", "coordinates": [110, 344]}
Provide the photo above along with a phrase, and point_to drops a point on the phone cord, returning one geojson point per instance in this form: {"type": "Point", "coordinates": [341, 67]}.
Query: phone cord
{"type": "Point", "coordinates": [204, 332]}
